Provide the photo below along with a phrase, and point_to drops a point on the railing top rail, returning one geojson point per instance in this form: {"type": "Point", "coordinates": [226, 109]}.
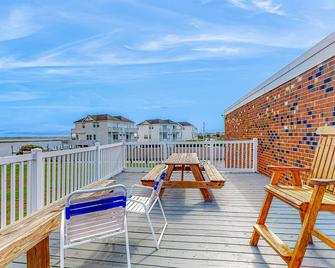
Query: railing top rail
{"type": "Point", "coordinates": [15, 159]}
{"type": "Point", "coordinates": [111, 145]}
{"type": "Point", "coordinates": [189, 142]}
{"type": "Point", "coordinates": [67, 152]}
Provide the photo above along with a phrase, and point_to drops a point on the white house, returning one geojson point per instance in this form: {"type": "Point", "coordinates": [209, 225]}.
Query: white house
{"type": "Point", "coordinates": [188, 131]}
{"type": "Point", "coordinates": [156, 130]}
{"type": "Point", "coordinates": [103, 128]}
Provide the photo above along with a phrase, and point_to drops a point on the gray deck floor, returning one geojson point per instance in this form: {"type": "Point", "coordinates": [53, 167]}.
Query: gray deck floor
{"type": "Point", "coordinates": [203, 234]}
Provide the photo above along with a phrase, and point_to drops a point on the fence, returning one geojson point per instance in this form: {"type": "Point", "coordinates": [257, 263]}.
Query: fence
{"type": "Point", "coordinates": [225, 155]}
{"type": "Point", "coordinates": [30, 182]}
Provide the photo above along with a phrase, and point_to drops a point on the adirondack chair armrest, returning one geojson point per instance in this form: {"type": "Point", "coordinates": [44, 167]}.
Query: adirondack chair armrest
{"type": "Point", "coordinates": [284, 168]}
{"type": "Point", "coordinates": [322, 182]}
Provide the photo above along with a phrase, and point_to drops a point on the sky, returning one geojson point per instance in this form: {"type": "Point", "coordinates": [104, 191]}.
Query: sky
{"type": "Point", "coordinates": [144, 59]}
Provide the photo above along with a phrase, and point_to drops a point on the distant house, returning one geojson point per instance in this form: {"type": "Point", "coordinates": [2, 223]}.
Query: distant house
{"type": "Point", "coordinates": [188, 131]}
{"type": "Point", "coordinates": [156, 130]}
{"type": "Point", "coordinates": [103, 128]}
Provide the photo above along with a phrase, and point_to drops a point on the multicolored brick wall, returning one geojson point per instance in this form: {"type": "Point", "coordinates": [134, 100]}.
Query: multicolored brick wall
{"type": "Point", "coordinates": [285, 118]}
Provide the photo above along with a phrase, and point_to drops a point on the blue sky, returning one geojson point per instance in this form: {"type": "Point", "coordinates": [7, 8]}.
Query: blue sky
{"type": "Point", "coordinates": [182, 60]}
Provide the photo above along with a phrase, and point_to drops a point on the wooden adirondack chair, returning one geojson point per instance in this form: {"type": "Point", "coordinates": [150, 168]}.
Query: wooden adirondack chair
{"type": "Point", "coordinates": [307, 199]}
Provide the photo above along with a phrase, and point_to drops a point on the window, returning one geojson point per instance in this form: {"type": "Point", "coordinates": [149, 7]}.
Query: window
{"type": "Point", "coordinates": [151, 127]}
{"type": "Point", "coordinates": [145, 137]}
{"type": "Point", "coordinates": [83, 125]}
{"type": "Point", "coordinates": [94, 137]}
{"type": "Point", "coordinates": [89, 137]}
{"type": "Point", "coordinates": [96, 124]}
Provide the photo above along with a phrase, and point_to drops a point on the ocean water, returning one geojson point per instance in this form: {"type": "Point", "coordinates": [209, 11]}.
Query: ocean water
{"type": "Point", "coordinates": [6, 147]}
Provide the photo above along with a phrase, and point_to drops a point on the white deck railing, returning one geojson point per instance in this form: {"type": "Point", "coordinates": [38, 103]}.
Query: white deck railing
{"type": "Point", "coordinates": [30, 182]}
{"type": "Point", "coordinates": [225, 155]}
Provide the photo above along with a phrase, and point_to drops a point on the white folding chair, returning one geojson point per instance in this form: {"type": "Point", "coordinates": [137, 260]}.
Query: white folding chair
{"type": "Point", "coordinates": [98, 216]}
{"type": "Point", "coordinates": [144, 202]}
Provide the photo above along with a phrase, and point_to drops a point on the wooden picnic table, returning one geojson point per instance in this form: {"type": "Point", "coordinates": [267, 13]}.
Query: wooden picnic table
{"type": "Point", "coordinates": [188, 162]}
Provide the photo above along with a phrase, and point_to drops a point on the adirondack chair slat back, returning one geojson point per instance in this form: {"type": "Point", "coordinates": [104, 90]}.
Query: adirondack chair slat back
{"type": "Point", "coordinates": [323, 166]}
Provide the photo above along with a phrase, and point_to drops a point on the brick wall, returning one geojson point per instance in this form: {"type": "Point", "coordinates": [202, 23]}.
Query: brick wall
{"type": "Point", "coordinates": [284, 119]}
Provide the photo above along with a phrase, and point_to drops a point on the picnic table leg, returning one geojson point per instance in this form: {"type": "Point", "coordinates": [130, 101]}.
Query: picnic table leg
{"type": "Point", "coordinates": [167, 178]}
{"type": "Point", "coordinates": [39, 256]}
{"type": "Point", "coordinates": [199, 177]}
{"type": "Point", "coordinates": [182, 172]}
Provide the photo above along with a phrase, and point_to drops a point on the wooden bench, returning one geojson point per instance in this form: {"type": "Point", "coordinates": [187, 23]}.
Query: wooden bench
{"type": "Point", "coordinates": [153, 174]}
{"type": "Point", "coordinates": [216, 181]}
{"type": "Point", "coordinates": [214, 175]}
{"type": "Point", "coordinates": [31, 234]}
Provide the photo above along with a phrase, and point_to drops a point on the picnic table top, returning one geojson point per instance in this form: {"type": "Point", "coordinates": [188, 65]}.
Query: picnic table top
{"type": "Point", "coordinates": [183, 159]}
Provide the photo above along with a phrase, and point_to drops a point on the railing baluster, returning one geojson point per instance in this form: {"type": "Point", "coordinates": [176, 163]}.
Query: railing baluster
{"type": "Point", "coordinates": [58, 176]}
{"type": "Point", "coordinates": [54, 178]}
{"type": "Point", "coordinates": [21, 189]}
{"type": "Point", "coordinates": [29, 188]}
{"type": "Point", "coordinates": [3, 196]}
{"type": "Point", "coordinates": [67, 178]}
{"type": "Point", "coordinates": [12, 192]}
{"type": "Point", "coordinates": [75, 167]}
{"type": "Point", "coordinates": [48, 181]}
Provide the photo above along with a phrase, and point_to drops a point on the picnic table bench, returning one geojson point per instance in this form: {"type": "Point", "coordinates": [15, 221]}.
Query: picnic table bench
{"type": "Point", "coordinates": [31, 234]}
{"type": "Point", "coordinates": [187, 162]}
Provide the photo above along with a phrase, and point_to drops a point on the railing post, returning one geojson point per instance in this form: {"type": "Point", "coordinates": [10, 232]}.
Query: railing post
{"type": "Point", "coordinates": [165, 156]}
{"type": "Point", "coordinates": [255, 157]}
{"type": "Point", "coordinates": [97, 162]}
{"type": "Point", "coordinates": [37, 180]}
{"type": "Point", "coordinates": [211, 152]}
{"type": "Point", "coordinates": [124, 156]}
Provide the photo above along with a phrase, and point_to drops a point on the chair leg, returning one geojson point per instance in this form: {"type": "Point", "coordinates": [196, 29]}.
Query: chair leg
{"type": "Point", "coordinates": [61, 256]}
{"type": "Point", "coordinates": [61, 244]}
{"type": "Point", "coordinates": [152, 229]}
{"type": "Point", "coordinates": [127, 242]}
{"type": "Point", "coordinates": [307, 227]}
{"type": "Point", "coordinates": [302, 217]}
{"type": "Point", "coordinates": [165, 222]}
{"type": "Point", "coordinates": [261, 218]}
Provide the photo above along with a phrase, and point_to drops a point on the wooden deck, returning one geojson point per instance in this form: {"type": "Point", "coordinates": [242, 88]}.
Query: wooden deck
{"type": "Point", "coordinates": [203, 234]}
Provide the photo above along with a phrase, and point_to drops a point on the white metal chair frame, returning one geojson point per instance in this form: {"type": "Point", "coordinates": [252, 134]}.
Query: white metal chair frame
{"type": "Point", "coordinates": [117, 203]}
{"type": "Point", "coordinates": [153, 199]}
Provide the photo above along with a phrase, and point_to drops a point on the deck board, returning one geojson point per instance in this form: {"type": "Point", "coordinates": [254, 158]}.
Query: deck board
{"type": "Point", "coordinates": [203, 234]}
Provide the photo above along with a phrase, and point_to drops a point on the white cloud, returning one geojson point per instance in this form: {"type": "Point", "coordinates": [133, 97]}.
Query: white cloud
{"type": "Point", "coordinates": [267, 6]}
{"type": "Point", "coordinates": [219, 50]}
{"type": "Point", "coordinates": [18, 96]}
{"type": "Point", "coordinates": [239, 3]}
{"type": "Point", "coordinates": [60, 71]}
{"type": "Point", "coordinates": [17, 24]}
{"type": "Point", "coordinates": [175, 40]}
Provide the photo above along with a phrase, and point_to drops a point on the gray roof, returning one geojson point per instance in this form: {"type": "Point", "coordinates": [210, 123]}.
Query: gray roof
{"type": "Point", "coordinates": [157, 121]}
{"type": "Point", "coordinates": [103, 117]}
{"type": "Point", "coordinates": [185, 124]}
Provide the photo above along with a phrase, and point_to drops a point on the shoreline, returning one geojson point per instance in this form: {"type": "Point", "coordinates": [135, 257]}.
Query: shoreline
{"type": "Point", "coordinates": [32, 139]}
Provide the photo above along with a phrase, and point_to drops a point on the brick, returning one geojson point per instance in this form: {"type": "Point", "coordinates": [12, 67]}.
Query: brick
{"type": "Point", "coordinates": [285, 119]}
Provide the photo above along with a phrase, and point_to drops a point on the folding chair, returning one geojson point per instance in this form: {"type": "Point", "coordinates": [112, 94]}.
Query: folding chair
{"type": "Point", "coordinates": [143, 203]}
{"type": "Point", "coordinates": [88, 218]}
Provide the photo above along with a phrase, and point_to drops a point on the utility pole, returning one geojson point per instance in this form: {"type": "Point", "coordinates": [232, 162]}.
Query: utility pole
{"type": "Point", "coordinates": [203, 129]}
